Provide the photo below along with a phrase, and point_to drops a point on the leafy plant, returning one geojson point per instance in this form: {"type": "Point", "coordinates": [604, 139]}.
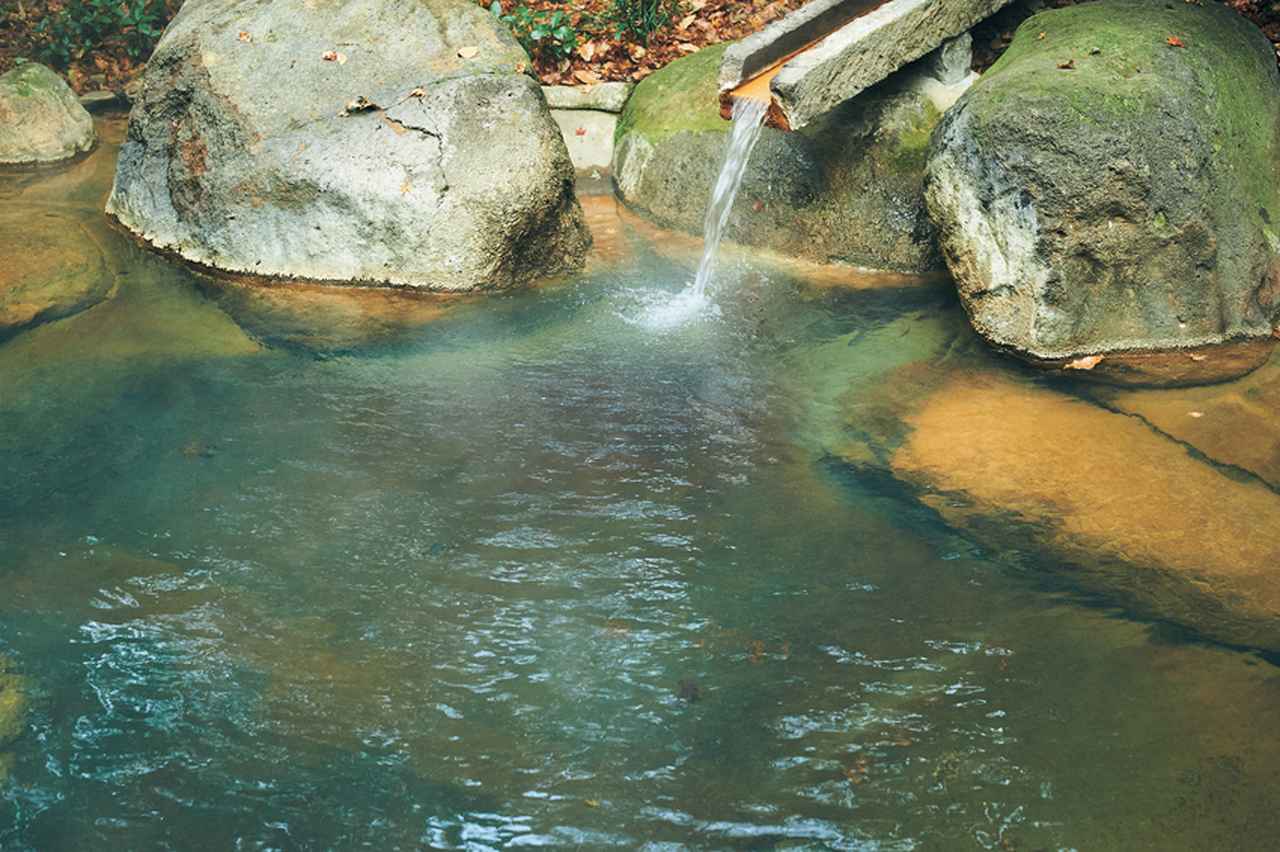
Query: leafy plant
{"type": "Point", "coordinates": [540, 32]}
{"type": "Point", "coordinates": [85, 26]}
{"type": "Point", "coordinates": [638, 20]}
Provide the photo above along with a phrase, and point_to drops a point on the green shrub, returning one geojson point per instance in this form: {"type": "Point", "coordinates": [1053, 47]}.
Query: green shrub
{"type": "Point", "coordinates": [638, 20]}
{"type": "Point", "coordinates": [85, 26]}
{"type": "Point", "coordinates": [549, 34]}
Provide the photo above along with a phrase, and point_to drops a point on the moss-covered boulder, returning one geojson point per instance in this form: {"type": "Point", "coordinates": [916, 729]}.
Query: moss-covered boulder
{"type": "Point", "coordinates": [41, 121]}
{"type": "Point", "coordinates": [1107, 194]}
{"type": "Point", "coordinates": [848, 188]}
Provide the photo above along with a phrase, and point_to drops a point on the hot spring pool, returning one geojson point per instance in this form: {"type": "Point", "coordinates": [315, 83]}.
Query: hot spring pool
{"type": "Point", "coordinates": [560, 568]}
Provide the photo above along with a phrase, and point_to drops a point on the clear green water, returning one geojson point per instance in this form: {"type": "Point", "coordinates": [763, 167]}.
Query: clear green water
{"type": "Point", "coordinates": [539, 574]}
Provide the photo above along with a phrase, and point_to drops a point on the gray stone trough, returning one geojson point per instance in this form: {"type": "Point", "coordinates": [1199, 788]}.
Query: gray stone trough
{"type": "Point", "coordinates": [832, 50]}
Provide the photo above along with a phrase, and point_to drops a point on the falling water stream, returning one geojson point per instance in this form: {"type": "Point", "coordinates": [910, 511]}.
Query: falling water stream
{"type": "Point", "coordinates": [748, 121]}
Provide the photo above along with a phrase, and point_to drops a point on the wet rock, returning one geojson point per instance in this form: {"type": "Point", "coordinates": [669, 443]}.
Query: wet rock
{"type": "Point", "coordinates": [849, 188]}
{"type": "Point", "coordinates": [83, 183]}
{"type": "Point", "coordinates": [1103, 191]}
{"type": "Point", "coordinates": [59, 270]}
{"type": "Point", "coordinates": [1133, 513]}
{"type": "Point", "coordinates": [409, 150]}
{"type": "Point", "coordinates": [41, 121]}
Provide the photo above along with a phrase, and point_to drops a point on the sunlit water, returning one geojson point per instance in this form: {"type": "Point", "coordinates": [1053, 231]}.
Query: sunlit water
{"type": "Point", "coordinates": [540, 573]}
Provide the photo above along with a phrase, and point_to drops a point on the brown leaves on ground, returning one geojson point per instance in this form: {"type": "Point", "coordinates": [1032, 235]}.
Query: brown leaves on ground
{"type": "Point", "coordinates": [109, 67]}
{"type": "Point", "coordinates": [601, 56]}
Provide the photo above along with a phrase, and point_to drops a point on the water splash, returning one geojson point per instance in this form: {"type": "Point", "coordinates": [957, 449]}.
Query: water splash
{"type": "Point", "coordinates": [662, 312]}
{"type": "Point", "coordinates": [748, 121]}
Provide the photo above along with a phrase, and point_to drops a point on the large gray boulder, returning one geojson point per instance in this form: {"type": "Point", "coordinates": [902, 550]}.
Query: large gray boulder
{"type": "Point", "coordinates": [1107, 194]}
{"type": "Point", "coordinates": [41, 121]}
{"type": "Point", "coordinates": [848, 188]}
{"type": "Point", "coordinates": [391, 142]}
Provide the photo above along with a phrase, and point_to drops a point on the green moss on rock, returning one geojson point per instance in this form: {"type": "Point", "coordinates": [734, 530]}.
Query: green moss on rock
{"type": "Point", "coordinates": [909, 146]}
{"type": "Point", "coordinates": [848, 188]}
{"type": "Point", "coordinates": [1102, 190]}
{"type": "Point", "coordinates": [684, 95]}
{"type": "Point", "coordinates": [1124, 71]}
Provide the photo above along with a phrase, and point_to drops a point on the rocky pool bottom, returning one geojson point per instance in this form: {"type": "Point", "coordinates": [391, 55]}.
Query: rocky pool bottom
{"type": "Point", "coordinates": [315, 568]}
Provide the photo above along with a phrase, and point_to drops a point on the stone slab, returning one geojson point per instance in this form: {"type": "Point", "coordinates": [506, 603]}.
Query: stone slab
{"type": "Point", "coordinates": [869, 49]}
{"type": "Point", "coordinates": [588, 134]}
{"type": "Point", "coordinates": [102, 101]}
{"type": "Point", "coordinates": [811, 22]}
{"type": "Point", "coordinates": [604, 97]}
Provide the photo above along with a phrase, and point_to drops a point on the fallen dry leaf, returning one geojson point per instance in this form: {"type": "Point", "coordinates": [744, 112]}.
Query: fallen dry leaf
{"type": "Point", "coordinates": [359, 104]}
{"type": "Point", "coordinates": [1174, 41]}
{"type": "Point", "coordinates": [245, 37]}
{"type": "Point", "coordinates": [468, 52]}
{"type": "Point", "coordinates": [1086, 363]}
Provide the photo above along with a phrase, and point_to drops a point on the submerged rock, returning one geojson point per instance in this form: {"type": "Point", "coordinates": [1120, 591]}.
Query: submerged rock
{"type": "Point", "coordinates": [385, 141]}
{"type": "Point", "coordinates": [59, 271]}
{"type": "Point", "coordinates": [1107, 193]}
{"type": "Point", "coordinates": [1158, 499]}
{"type": "Point", "coordinates": [1138, 516]}
{"type": "Point", "coordinates": [13, 713]}
{"type": "Point", "coordinates": [848, 188]}
{"type": "Point", "coordinates": [1233, 423]}
{"type": "Point", "coordinates": [13, 704]}
{"type": "Point", "coordinates": [41, 120]}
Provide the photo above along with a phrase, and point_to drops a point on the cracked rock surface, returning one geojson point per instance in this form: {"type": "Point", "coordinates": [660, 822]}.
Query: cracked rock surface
{"type": "Point", "coordinates": [392, 142]}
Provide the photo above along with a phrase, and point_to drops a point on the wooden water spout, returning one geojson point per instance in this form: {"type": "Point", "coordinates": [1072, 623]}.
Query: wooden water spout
{"type": "Point", "coordinates": [831, 50]}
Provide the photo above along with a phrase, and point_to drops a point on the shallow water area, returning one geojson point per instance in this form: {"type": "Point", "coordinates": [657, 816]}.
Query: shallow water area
{"type": "Point", "coordinates": [592, 565]}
